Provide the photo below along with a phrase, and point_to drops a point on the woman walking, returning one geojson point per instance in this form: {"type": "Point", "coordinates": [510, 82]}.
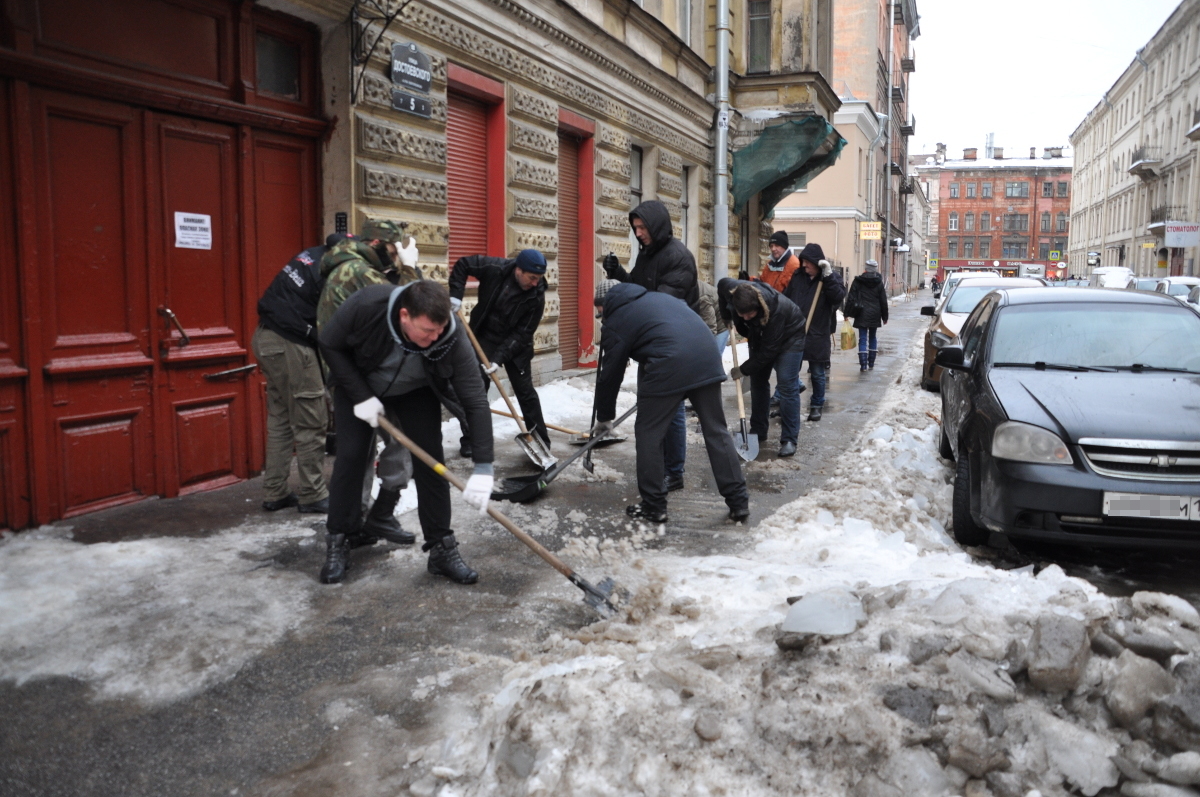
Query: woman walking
{"type": "Point", "coordinates": [867, 304]}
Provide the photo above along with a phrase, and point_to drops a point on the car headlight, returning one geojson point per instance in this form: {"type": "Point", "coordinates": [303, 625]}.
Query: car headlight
{"type": "Point", "coordinates": [939, 340]}
{"type": "Point", "coordinates": [1022, 442]}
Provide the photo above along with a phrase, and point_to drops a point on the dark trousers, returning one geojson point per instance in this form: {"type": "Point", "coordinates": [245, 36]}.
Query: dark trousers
{"type": "Point", "coordinates": [420, 417]}
{"type": "Point", "coordinates": [520, 377]}
{"type": "Point", "coordinates": [655, 414]}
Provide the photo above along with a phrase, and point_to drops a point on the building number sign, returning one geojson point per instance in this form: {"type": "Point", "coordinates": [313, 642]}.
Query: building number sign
{"type": "Point", "coordinates": [411, 72]}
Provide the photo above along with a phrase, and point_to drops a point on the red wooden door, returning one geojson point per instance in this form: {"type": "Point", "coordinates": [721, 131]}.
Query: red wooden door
{"type": "Point", "coordinates": [201, 435]}
{"type": "Point", "coordinates": [568, 249]}
{"type": "Point", "coordinates": [92, 325]}
{"type": "Point", "coordinates": [466, 176]}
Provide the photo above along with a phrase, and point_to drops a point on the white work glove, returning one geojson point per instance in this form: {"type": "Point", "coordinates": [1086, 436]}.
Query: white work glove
{"type": "Point", "coordinates": [369, 411]}
{"type": "Point", "coordinates": [455, 304]}
{"type": "Point", "coordinates": [602, 429]}
{"type": "Point", "coordinates": [826, 268]}
{"type": "Point", "coordinates": [408, 255]}
{"type": "Point", "coordinates": [491, 369]}
{"type": "Point", "coordinates": [479, 491]}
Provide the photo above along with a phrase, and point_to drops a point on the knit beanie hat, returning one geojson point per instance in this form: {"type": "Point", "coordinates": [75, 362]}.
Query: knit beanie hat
{"type": "Point", "coordinates": [780, 238]}
{"type": "Point", "coordinates": [532, 261]}
{"type": "Point", "coordinates": [812, 253]}
{"type": "Point", "coordinates": [602, 289]}
{"type": "Point", "coordinates": [871, 265]}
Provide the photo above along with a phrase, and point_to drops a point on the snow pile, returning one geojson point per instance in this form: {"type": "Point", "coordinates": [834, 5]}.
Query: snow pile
{"type": "Point", "coordinates": [902, 666]}
{"type": "Point", "coordinates": [153, 619]}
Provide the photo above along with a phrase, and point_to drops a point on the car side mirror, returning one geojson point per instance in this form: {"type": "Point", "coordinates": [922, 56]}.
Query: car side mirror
{"type": "Point", "coordinates": [951, 357]}
{"type": "Point", "coordinates": [928, 309]}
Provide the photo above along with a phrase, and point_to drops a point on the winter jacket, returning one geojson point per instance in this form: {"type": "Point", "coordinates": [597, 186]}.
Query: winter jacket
{"type": "Point", "coordinates": [347, 267]}
{"type": "Point", "coordinates": [366, 328]}
{"type": "Point", "coordinates": [780, 279]}
{"type": "Point", "coordinates": [868, 294]}
{"type": "Point", "coordinates": [778, 326]}
{"type": "Point", "coordinates": [801, 291]}
{"type": "Point", "coordinates": [505, 315]}
{"type": "Point", "coordinates": [289, 304]}
{"type": "Point", "coordinates": [665, 265]}
{"type": "Point", "coordinates": [708, 308]}
{"type": "Point", "coordinates": [672, 346]}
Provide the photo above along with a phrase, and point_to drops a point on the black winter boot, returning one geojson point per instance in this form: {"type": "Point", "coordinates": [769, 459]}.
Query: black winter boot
{"type": "Point", "coordinates": [337, 553]}
{"type": "Point", "coordinates": [445, 560]}
{"type": "Point", "coordinates": [643, 511]}
{"type": "Point", "coordinates": [381, 520]}
{"type": "Point", "coordinates": [862, 361]}
{"type": "Point", "coordinates": [871, 358]}
{"type": "Point", "coordinates": [814, 412]}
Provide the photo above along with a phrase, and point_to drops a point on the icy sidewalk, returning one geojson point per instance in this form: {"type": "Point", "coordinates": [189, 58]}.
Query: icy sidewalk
{"type": "Point", "coordinates": [956, 678]}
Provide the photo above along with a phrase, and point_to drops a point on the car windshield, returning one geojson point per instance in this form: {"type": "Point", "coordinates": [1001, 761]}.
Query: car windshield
{"type": "Point", "coordinates": [966, 296]}
{"type": "Point", "coordinates": [1100, 335]}
{"type": "Point", "coordinates": [1147, 285]}
{"type": "Point", "coordinates": [1175, 289]}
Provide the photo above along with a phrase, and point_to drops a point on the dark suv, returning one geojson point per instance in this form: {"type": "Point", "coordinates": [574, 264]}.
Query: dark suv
{"type": "Point", "coordinates": [1073, 415]}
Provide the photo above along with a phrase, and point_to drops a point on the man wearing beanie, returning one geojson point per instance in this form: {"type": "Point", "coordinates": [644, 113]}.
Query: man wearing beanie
{"type": "Point", "coordinates": [816, 271]}
{"type": "Point", "coordinates": [782, 265]}
{"type": "Point", "coordinates": [511, 300]}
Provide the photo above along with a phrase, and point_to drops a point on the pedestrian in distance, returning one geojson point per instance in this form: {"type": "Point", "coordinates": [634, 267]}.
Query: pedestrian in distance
{"type": "Point", "coordinates": [511, 300]}
{"type": "Point", "coordinates": [349, 267]}
{"type": "Point", "coordinates": [398, 350]}
{"type": "Point", "coordinates": [802, 290]}
{"type": "Point", "coordinates": [867, 304]}
{"type": "Point", "coordinates": [285, 346]}
{"type": "Point", "coordinates": [663, 265]}
{"type": "Point", "coordinates": [774, 329]}
{"type": "Point", "coordinates": [676, 360]}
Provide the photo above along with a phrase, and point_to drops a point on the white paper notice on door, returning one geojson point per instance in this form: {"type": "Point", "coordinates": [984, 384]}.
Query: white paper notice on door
{"type": "Point", "coordinates": [193, 231]}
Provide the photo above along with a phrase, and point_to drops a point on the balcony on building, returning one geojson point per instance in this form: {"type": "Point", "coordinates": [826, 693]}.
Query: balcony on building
{"type": "Point", "coordinates": [897, 94]}
{"type": "Point", "coordinates": [910, 127]}
{"type": "Point", "coordinates": [897, 168]}
{"type": "Point", "coordinates": [908, 64]}
{"type": "Point", "coordinates": [908, 185]}
{"type": "Point", "coordinates": [1146, 162]}
{"type": "Point", "coordinates": [1194, 133]}
{"type": "Point", "coordinates": [1160, 215]}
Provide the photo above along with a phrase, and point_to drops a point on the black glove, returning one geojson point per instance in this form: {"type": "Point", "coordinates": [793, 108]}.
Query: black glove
{"type": "Point", "coordinates": [611, 266]}
{"type": "Point", "coordinates": [736, 373]}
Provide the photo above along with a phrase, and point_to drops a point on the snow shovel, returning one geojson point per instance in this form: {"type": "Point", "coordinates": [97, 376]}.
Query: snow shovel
{"type": "Point", "coordinates": [595, 596]}
{"type": "Point", "coordinates": [745, 442]}
{"type": "Point", "coordinates": [533, 446]}
{"type": "Point", "coordinates": [521, 489]}
{"type": "Point", "coordinates": [578, 438]}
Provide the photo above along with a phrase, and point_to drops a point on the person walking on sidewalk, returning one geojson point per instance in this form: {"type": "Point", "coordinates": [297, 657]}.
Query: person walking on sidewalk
{"type": "Point", "coordinates": [867, 304]}
{"type": "Point", "coordinates": [511, 300]}
{"type": "Point", "coordinates": [664, 265]}
{"type": "Point", "coordinates": [285, 346]}
{"type": "Point", "coordinates": [350, 266]}
{"type": "Point", "coordinates": [398, 349]}
{"type": "Point", "coordinates": [802, 290]}
{"type": "Point", "coordinates": [774, 329]}
{"type": "Point", "coordinates": [676, 360]}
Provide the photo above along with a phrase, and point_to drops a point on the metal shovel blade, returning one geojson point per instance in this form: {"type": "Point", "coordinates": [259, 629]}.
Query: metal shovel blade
{"type": "Point", "coordinates": [535, 448]}
{"type": "Point", "coordinates": [520, 489]}
{"type": "Point", "coordinates": [746, 442]}
{"type": "Point", "coordinates": [584, 439]}
{"type": "Point", "coordinates": [597, 596]}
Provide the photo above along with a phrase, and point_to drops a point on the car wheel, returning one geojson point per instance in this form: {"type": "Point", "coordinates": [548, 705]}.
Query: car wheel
{"type": "Point", "coordinates": [944, 445]}
{"type": "Point", "coordinates": [966, 530]}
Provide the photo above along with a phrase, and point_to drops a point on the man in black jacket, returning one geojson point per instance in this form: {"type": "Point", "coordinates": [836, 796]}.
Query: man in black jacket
{"type": "Point", "coordinates": [398, 349]}
{"type": "Point", "coordinates": [285, 346]}
{"type": "Point", "coordinates": [664, 265]}
{"type": "Point", "coordinates": [511, 300]}
{"type": "Point", "coordinates": [774, 329]}
{"type": "Point", "coordinates": [676, 360]}
{"type": "Point", "coordinates": [802, 290]}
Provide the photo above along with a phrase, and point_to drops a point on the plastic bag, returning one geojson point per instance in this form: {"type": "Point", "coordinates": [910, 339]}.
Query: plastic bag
{"type": "Point", "coordinates": [849, 338]}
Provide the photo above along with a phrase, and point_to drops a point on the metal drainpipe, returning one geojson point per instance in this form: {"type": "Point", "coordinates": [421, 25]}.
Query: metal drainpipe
{"type": "Point", "coordinates": [880, 119]}
{"type": "Point", "coordinates": [887, 217]}
{"type": "Point", "coordinates": [721, 151]}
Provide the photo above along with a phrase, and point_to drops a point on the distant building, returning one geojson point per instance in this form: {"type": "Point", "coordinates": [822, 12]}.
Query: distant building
{"type": "Point", "coordinates": [1005, 213]}
{"type": "Point", "coordinates": [1136, 197]}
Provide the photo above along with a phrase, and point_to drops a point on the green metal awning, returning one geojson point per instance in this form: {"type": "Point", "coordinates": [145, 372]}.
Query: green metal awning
{"type": "Point", "coordinates": [782, 160]}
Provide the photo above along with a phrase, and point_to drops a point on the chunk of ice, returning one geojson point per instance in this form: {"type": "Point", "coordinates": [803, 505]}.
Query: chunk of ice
{"type": "Point", "coordinates": [882, 433]}
{"type": "Point", "coordinates": [832, 611]}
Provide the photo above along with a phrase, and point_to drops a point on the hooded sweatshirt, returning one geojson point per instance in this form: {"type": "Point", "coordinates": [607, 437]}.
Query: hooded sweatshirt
{"type": "Point", "coordinates": [665, 264]}
{"type": "Point", "coordinates": [350, 265]}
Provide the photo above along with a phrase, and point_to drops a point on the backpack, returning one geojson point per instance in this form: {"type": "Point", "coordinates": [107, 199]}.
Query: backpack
{"type": "Point", "coordinates": [853, 307]}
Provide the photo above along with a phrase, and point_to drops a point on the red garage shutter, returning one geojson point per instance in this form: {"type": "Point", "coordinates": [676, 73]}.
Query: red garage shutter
{"type": "Point", "coordinates": [466, 176]}
{"type": "Point", "coordinates": [568, 249]}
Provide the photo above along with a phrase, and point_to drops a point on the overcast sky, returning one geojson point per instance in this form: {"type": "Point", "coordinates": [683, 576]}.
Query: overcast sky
{"type": "Point", "coordinates": [1026, 70]}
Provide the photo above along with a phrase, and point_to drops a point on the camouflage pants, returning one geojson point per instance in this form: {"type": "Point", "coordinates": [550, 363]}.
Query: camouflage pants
{"type": "Point", "coordinates": [296, 416]}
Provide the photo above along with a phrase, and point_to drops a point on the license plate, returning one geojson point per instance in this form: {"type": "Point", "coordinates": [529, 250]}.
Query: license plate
{"type": "Point", "coordinates": [1162, 507]}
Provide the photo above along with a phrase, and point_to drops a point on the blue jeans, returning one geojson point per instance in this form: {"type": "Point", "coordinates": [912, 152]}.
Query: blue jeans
{"type": "Point", "coordinates": [787, 384]}
{"type": "Point", "coordinates": [675, 443]}
{"type": "Point", "coordinates": [818, 374]}
{"type": "Point", "coordinates": [863, 332]}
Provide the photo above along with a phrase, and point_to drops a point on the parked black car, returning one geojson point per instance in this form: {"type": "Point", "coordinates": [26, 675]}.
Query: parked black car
{"type": "Point", "coordinates": [1073, 416]}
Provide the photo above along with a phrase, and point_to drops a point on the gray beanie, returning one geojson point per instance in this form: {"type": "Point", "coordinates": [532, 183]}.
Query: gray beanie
{"type": "Point", "coordinates": [602, 289]}
{"type": "Point", "coordinates": [871, 265]}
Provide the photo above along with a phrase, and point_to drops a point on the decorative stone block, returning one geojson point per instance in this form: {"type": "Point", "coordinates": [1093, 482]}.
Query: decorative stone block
{"type": "Point", "coordinates": [613, 221]}
{"type": "Point", "coordinates": [531, 106]}
{"type": "Point", "coordinates": [544, 242]}
{"type": "Point", "coordinates": [613, 194]}
{"type": "Point", "coordinates": [535, 209]}
{"type": "Point", "coordinates": [377, 91]}
{"type": "Point", "coordinates": [536, 175]}
{"type": "Point", "coordinates": [380, 138]}
{"type": "Point", "coordinates": [669, 161]}
{"type": "Point", "coordinates": [614, 166]}
{"type": "Point", "coordinates": [669, 184]}
{"type": "Point", "coordinates": [532, 140]}
{"type": "Point", "coordinates": [613, 138]}
{"type": "Point", "coordinates": [674, 207]}
{"type": "Point", "coordinates": [392, 186]}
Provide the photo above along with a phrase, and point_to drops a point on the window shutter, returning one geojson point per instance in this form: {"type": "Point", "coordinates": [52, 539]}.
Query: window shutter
{"type": "Point", "coordinates": [568, 250]}
{"type": "Point", "coordinates": [466, 176]}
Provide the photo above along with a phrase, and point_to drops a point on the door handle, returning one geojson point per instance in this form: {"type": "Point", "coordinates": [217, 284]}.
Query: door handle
{"type": "Point", "coordinates": [232, 372]}
{"type": "Point", "coordinates": [166, 313]}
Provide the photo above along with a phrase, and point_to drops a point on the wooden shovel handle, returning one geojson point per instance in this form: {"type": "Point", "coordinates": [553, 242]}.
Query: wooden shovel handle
{"type": "Point", "coordinates": [562, 429]}
{"type": "Point", "coordinates": [812, 308]}
{"type": "Point", "coordinates": [738, 381]}
{"type": "Point", "coordinates": [483, 358]}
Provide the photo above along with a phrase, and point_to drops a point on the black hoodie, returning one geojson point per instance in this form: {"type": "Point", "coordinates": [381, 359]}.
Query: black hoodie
{"type": "Point", "coordinates": [778, 326]}
{"type": "Point", "coordinates": [665, 265]}
{"type": "Point", "coordinates": [870, 297]}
